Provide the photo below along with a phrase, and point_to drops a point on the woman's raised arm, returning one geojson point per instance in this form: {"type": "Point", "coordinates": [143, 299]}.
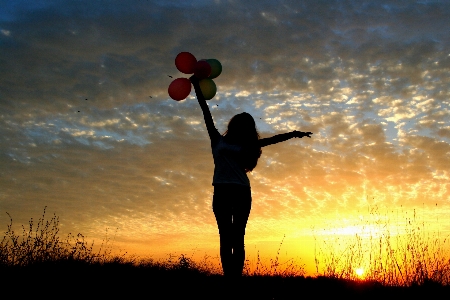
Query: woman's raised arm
{"type": "Point", "coordinates": [282, 137]}
{"type": "Point", "coordinates": [212, 131]}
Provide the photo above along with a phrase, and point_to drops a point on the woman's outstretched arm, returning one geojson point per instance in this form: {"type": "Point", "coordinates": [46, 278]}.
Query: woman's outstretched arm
{"type": "Point", "coordinates": [212, 131]}
{"type": "Point", "coordinates": [283, 137]}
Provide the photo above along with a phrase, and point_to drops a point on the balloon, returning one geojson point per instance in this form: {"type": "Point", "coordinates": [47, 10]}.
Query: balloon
{"type": "Point", "coordinates": [185, 62]}
{"type": "Point", "coordinates": [202, 69]}
{"type": "Point", "coordinates": [216, 67]}
{"type": "Point", "coordinates": [208, 88]}
{"type": "Point", "coordinates": [179, 89]}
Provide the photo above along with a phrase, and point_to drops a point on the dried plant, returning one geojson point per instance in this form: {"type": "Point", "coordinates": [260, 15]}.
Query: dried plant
{"type": "Point", "coordinates": [40, 243]}
{"type": "Point", "coordinates": [275, 268]}
{"type": "Point", "coordinates": [412, 257]}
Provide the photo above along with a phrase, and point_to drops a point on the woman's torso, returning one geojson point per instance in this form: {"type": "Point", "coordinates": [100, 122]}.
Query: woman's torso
{"type": "Point", "coordinates": [227, 167]}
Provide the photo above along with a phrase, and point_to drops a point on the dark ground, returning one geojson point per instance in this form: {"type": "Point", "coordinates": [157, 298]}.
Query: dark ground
{"type": "Point", "coordinates": [67, 280]}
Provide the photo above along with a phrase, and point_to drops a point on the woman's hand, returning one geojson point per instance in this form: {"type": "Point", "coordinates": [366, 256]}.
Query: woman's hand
{"type": "Point", "coordinates": [301, 134]}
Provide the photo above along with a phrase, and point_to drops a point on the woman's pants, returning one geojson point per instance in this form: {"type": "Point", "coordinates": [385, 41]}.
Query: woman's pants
{"type": "Point", "coordinates": [231, 206]}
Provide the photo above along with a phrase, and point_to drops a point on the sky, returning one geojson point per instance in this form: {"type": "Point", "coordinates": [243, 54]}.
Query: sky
{"type": "Point", "coordinates": [87, 128]}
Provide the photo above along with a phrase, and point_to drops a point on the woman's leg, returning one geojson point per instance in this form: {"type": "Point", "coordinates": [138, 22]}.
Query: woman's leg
{"type": "Point", "coordinates": [241, 211]}
{"type": "Point", "coordinates": [226, 255]}
{"type": "Point", "coordinates": [238, 255]}
{"type": "Point", "coordinates": [222, 211]}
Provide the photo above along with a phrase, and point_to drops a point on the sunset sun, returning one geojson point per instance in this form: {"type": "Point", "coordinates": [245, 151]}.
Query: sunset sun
{"type": "Point", "coordinates": [359, 272]}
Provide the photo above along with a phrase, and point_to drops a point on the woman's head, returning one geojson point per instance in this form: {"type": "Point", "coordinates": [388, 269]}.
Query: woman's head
{"type": "Point", "coordinates": [242, 131]}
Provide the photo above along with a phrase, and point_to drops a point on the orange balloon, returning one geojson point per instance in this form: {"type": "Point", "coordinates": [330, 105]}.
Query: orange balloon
{"type": "Point", "coordinates": [179, 89]}
{"type": "Point", "coordinates": [185, 62]}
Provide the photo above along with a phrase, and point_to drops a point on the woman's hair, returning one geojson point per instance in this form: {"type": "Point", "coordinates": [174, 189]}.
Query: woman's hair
{"type": "Point", "coordinates": [242, 131]}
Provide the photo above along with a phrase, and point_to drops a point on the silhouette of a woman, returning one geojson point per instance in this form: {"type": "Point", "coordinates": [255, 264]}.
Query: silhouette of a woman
{"type": "Point", "coordinates": [235, 153]}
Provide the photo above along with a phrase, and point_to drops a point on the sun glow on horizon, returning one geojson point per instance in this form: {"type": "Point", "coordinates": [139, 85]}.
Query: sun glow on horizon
{"type": "Point", "coordinates": [352, 230]}
{"type": "Point", "coordinates": [359, 272]}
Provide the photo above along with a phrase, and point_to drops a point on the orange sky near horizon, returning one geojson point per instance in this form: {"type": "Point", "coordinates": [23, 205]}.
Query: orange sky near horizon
{"type": "Point", "coordinates": [87, 128]}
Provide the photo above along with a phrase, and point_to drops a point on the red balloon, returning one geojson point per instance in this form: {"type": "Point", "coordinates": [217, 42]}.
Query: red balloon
{"type": "Point", "coordinates": [185, 62]}
{"type": "Point", "coordinates": [202, 69]}
{"type": "Point", "coordinates": [179, 89]}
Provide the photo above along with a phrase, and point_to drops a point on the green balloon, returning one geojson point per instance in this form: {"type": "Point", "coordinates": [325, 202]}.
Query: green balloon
{"type": "Point", "coordinates": [208, 88]}
{"type": "Point", "coordinates": [216, 68]}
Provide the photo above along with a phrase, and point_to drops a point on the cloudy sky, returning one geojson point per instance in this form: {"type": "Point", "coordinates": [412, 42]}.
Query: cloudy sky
{"type": "Point", "coordinates": [87, 128]}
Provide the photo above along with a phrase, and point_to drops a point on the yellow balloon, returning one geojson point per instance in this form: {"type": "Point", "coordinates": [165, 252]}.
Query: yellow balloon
{"type": "Point", "coordinates": [208, 88]}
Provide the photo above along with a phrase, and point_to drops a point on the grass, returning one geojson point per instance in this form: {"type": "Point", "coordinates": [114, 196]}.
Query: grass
{"type": "Point", "coordinates": [275, 268]}
{"type": "Point", "coordinates": [37, 260]}
{"type": "Point", "coordinates": [411, 257]}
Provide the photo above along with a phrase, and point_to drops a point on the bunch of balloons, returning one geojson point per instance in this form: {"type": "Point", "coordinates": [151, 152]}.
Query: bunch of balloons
{"type": "Point", "coordinates": [205, 70]}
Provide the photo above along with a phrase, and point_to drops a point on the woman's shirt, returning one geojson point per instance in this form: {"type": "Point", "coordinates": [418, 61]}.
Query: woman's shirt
{"type": "Point", "coordinates": [226, 163]}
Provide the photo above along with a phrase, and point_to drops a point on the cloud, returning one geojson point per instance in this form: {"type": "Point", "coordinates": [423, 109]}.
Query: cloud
{"type": "Point", "coordinates": [88, 55]}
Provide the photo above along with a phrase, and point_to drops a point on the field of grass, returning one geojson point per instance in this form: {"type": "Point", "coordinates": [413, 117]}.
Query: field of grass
{"type": "Point", "coordinates": [38, 261]}
{"type": "Point", "coordinates": [411, 256]}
